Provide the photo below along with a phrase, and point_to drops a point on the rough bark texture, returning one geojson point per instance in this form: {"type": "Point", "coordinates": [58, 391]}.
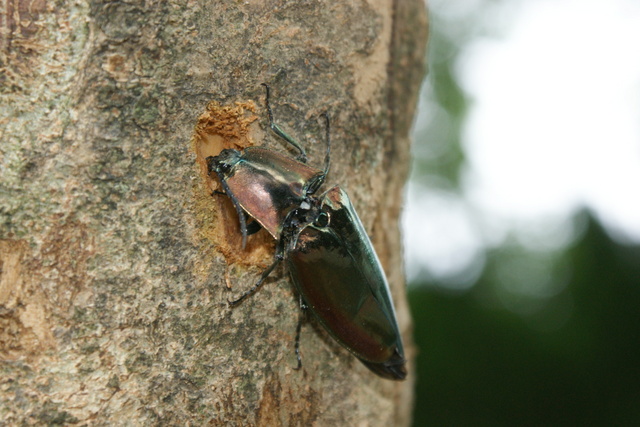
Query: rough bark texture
{"type": "Point", "coordinates": [116, 262]}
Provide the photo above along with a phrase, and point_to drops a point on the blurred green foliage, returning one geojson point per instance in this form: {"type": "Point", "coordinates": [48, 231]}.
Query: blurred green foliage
{"type": "Point", "coordinates": [447, 104]}
{"type": "Point", "coordinates": [482, 364]}
{"type": "Point", "coordinates": [490, 355]}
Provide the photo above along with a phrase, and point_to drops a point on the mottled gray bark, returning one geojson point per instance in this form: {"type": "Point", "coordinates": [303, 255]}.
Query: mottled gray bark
{"type": "Point", "coordinates": [116, 261]}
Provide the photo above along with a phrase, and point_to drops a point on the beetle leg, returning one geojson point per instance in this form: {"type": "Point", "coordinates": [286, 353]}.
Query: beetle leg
{"type": "Point", "coordinates": [239, 210]}
{"type": "Point", "coordinates": [301, 319]}
{"type": "Point", "coordinates": [250, 228]}
{"type": "Point", "coordinates": [302, 157]}
{"type": "Point", "coordinates": [278, 257]}
{"type": "Point", "coordinates": [253, 227]}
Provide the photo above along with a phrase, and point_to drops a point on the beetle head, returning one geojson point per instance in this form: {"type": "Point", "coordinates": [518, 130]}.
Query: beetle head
{"type": "Point", "coordinates": [223, 163]}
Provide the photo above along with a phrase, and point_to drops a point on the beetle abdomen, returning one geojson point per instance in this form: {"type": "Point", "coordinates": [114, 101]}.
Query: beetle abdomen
{"type": "Point", "coordinates": [340, 278]}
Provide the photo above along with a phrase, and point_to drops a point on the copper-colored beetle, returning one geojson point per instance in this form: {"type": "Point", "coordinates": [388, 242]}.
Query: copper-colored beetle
{"type": "Point", "coordinates": [331, 260]}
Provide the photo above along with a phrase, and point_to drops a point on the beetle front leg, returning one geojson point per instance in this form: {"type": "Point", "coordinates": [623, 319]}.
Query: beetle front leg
{"type": "Point", "coordinates": [239, 210]}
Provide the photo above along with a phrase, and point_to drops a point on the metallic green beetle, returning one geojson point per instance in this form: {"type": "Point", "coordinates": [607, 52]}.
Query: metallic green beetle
{"type": "Point", "coordinates": [332, 262]}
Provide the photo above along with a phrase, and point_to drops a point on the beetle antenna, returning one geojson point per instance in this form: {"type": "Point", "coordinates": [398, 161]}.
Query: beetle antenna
{"type": "Point", "coordinates": [327, 157]}
{"type": "Point", "coordinates": [314, 183]}
{"type": "Point", "coordinates": [302, 157]}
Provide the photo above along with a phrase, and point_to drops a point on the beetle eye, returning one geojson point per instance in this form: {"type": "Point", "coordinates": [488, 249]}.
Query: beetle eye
{"type": "Point", "coordinates": [223, 168]}
{"type": "Point", "coordinates": [322, 220]}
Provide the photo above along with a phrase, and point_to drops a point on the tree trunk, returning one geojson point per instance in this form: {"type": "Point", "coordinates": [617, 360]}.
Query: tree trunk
{"type": "Point", "coordinates": [117, 261]}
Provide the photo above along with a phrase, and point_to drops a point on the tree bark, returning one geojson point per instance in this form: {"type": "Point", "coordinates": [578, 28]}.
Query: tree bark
{"type": "Point", "coordinates": [117, 261]}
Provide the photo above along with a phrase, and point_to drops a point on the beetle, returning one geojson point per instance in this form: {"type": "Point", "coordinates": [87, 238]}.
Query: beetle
{"type": "Point", "coordinates": [332, 263]}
